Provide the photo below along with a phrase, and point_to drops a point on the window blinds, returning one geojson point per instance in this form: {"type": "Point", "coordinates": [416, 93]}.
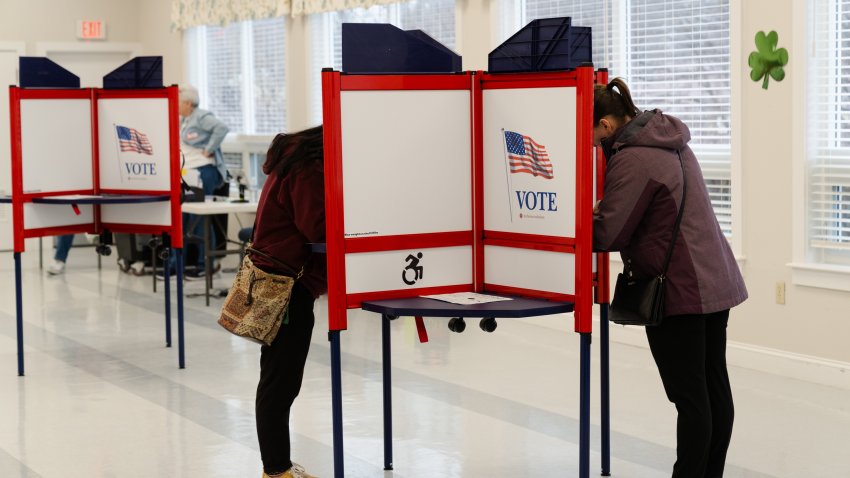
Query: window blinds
{"type": "Point", "coordinates": [828, 135]}
{"type": "Point", "coordinates": [222, 75]}
{"type": "Point", "coordinates": [434, 17]}
{"type": "Point", "coordinates": [677, 60]}
{"type": "Point", "coordinates": [241, 76]}
{"type": "Point", "coordinates": [674, 54]}
{"type": "Point", "coordinates": [268, 85]}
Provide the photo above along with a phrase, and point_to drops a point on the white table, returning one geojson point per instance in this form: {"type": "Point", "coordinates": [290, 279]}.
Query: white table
{"type": "Point", "coordinates": [208, 208]}
{"type": "Point", "coordinates": [211, 208]}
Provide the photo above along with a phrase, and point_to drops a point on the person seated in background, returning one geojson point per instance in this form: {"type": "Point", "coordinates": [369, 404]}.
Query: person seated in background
{"type": "Point", "coordinates": [201, 134]}
{"type": "Point", "coordinates": [63, 247]}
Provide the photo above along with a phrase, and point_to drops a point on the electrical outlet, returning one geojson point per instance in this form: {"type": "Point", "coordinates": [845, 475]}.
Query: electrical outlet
{"type": "Point", "coordinates": [780, 293]}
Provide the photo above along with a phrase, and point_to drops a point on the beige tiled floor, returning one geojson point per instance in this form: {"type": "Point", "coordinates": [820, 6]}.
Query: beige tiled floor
{"type": "Point", "coordinates": [103, 397]}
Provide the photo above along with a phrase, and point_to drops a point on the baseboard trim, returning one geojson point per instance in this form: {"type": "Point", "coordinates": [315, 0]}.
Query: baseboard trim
{"type": "Point", "coordinates": [807, 368]}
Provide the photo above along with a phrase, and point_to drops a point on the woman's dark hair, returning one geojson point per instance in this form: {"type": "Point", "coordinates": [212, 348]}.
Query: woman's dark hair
{"type": "Point", "coordinates": [619, 103]}
{"type": "Point", "coordinates": [292, 150]}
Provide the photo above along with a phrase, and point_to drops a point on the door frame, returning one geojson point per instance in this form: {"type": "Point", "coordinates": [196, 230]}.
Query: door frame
{"type": "Point", "coordinates": [18, 48]}
{"type": "Point", "coordinates": [46, 48]}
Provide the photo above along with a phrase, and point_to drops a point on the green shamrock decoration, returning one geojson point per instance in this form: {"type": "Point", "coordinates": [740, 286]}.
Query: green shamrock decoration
{"type": "Point", "coordinates": [768, 60]}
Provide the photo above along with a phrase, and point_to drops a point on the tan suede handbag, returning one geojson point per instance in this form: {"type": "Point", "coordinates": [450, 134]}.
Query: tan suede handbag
{"type": "Point", "coordinates": [258, 301]}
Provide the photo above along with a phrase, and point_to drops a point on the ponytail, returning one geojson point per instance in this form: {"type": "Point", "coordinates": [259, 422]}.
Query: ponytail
{"type": "Point", "coordinates": [619, 103]}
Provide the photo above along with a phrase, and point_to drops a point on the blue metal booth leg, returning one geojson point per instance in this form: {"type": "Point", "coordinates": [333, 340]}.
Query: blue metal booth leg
{"type": "Point", "coordinates": [167, 276]}
{"type": "Point", "coordinates": [181, 352]}
{"type": "Point", "coordinates": [388, 394]}
{"type": "Point", "coordinates": [604, 392]}
{"type": "Point", "coordinates": [19, 310]}
{"type": "Point", "coordinates": [336, 403]}
{"type": "Point", "coordinates": [584, 408]}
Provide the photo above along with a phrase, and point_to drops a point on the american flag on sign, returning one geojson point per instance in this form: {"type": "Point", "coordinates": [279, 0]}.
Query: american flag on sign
{"type": "Point", "coordinates": [527, 156]}
{"type": "Point", "coordinates": [132, 140]}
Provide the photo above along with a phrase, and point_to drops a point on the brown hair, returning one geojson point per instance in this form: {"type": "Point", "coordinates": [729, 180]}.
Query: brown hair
{"type": "Point", "coordinates": [619, 103]}
{"type": "Point", "coordinates": [291, 150]}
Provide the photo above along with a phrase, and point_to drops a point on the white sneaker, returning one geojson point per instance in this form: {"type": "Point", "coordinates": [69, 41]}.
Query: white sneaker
{"type": "Point", "coordinates": [297, 471]}
{"type": "Point", "coordinates": [58, 267]}
{"type": "Point", "coordinates": [137, 268]}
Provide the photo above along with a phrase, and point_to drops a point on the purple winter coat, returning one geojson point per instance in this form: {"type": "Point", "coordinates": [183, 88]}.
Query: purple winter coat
{"type": "Point", "coordinates": [643, 192]}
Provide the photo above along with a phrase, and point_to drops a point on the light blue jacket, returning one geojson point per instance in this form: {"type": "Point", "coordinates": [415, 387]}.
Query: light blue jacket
{"type": "Point", "coordinates": [202, 129]}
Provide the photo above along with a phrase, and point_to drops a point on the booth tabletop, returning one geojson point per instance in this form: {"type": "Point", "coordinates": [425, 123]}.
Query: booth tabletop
{"type": "Point", "coordinates": [101, 199]}
{"type": "Point", "coordinates": [424, 307]}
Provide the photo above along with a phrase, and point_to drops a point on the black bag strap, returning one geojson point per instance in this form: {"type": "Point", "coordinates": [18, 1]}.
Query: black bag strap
{"type": "Point", "coordinates": [678, 218]}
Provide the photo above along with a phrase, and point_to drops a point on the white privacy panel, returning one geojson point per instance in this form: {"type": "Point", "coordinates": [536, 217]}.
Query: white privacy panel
{"type": "Point", "coordinates": [406, 162]}
{"type": "Point", "coordinates": [530, 269]}
{"type": "Point", "coordinates": [56, 145]}
{"type": "Point", "coordinates": [530, 160]}
{"type": "Point", "coordinates": [394, 270]}
{"type": "Point", "coordinates": [149, 214]}
{"type": "Point", "coordinates": [134, 144]}
{"type": "Point", "coordinates": [37, 216]}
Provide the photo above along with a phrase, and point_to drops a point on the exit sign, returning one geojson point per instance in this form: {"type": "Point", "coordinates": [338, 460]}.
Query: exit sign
{"type": "Point", "coordinates": [91, 30]}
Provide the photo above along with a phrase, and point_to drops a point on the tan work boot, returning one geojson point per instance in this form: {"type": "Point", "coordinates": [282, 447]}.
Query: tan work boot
{"type": "Point", "coordinates": [297, 471]}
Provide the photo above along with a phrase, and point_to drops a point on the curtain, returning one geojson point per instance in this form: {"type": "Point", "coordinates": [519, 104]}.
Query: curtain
{"type": "Point", "coordinates": [306, 7]}
{"type": "Point", "coordinates": [191, 13]}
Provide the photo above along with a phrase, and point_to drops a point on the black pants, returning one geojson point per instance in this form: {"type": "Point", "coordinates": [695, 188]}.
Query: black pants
{"type": "Point", "coordinates": [690, 352]}
{"type": "Point", "coordinates": [281, 373]}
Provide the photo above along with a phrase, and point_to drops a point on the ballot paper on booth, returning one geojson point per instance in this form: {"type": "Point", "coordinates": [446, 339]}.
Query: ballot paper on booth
{"type": "Point", "coordinates": [467, 298]}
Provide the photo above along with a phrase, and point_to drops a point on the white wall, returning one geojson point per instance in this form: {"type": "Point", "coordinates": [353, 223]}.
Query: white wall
{"type": "Point", "coordinates": [157, 39]}
{"type": "Point", "coordinates": [813, 322]}
{"type": "Point", "coordinates": [127, 21]}
{"type": "Point", "coordinates": [53, 21]}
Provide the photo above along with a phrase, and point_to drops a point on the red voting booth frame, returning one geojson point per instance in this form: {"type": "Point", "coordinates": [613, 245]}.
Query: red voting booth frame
{"type": "Point", "coordinates": [19, 197]}
{"type": "Point", "coordinates": [174, 231]}
{"type": "Point", "coordinates": [581, 246]}
{"type": "Point", "coordinates": [590, 287]}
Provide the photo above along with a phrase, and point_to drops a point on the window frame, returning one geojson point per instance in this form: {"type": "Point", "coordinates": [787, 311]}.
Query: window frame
{"type": "Point", "coordinates": [805, 271]}
{"type": "Point", "coordinates": [236, 142]}
{"type": "Point", "coordinates": [324, 21]}
{"type": "Point", "coordinates": [514, 11]}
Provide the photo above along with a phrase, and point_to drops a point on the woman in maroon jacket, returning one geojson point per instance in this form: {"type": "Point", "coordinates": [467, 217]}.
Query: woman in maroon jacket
{"type": "Point", "coordinates": [643, 194]}
{"type": "Point", "coordinates": [290, 216]}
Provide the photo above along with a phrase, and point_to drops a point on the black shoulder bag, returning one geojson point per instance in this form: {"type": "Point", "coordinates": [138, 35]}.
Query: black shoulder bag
{"type": "Point", "coordinates": [641, 301]}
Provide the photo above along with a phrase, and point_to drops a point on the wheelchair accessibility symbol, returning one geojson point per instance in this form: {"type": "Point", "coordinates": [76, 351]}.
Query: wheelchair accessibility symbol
{"type": "Point", "coordinates": [413, 272]}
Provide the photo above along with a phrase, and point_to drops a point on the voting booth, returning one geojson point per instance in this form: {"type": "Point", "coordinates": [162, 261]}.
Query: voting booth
{"type": "Point", "coordinates": [461, 183]}
{"type": "Point", "coordinates": [95, 161]}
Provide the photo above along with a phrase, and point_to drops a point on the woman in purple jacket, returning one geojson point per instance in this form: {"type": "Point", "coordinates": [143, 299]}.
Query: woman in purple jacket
{"type": "Point", "coordinates": [643, 193]}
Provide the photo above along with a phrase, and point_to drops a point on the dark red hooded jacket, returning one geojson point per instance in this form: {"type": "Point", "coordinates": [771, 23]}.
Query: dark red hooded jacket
{"type": "Point", "coordinates": [290, 216]}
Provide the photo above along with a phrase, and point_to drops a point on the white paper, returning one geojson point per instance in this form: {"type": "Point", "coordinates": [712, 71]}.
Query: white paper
{"type": "Point", "coordinates": [467, 298]}
{"type": "Point", "coordinates": [68, 197]}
